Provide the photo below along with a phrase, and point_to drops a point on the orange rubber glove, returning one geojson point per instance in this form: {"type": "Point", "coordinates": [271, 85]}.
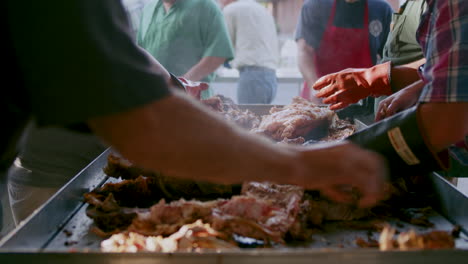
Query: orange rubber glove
{"type": "Point", "coordinates": [351, 85]}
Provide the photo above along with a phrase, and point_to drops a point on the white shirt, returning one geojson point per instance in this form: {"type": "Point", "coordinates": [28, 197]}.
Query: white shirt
{"type": "Point", "coordinates": [134, 10]}
{"type": "Point", "coordinates": [253, 34]}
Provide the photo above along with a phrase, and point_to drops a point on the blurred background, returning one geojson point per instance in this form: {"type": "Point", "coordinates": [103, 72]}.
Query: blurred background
{"type": "Point", "coordinates": [286, 14]}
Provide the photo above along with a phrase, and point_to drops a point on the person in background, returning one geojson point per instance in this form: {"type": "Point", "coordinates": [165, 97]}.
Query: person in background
{"type": "Point", "coordinates": [126, 98]}
{"type": "Point", "coordinates": [337, 34]}
{"type": "Point", "coordinates": [437, 91]}
{"type": "Point", "coordinates": [253, 34]}
{"type": "Point", "coordinates": [444, 97]}
{"type": "Point", "coordinates": [189, 38]}
{"type": "Point", "coordinates": [402, 55]}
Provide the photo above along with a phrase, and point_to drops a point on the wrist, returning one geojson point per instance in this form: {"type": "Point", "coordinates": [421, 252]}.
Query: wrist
{"type": "Point", "coordinates": [286, 167]}
{"type": "Point", "coordinates": [379, 79]}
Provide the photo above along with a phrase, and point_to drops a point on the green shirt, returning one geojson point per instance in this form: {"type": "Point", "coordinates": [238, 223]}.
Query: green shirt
{"type": "Point", "coordinates": [181, 37]}
{"type": "Point", "coordinates": [401, 46]}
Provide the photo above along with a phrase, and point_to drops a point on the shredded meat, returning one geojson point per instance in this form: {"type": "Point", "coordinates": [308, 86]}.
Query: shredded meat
{"type": "Point", "coordinates": [265, 211]}
{"type": "Point", "coordinates": [299, 119]}
{"type": "Point", "coordinates": [166, 218]}
{"type": "Point", "coordinates": [339, 130]}
{"type": "Point", "coordinates": [147, 207]}
{"type": "Point", "coordinates": [292, 124]}
{"type": "Point", "coordinates": [230, 111]}
{"type": "Point", "coordinates": [320, 210]}
{"type": "Point", "coordinates": [293, 141]}
{"type": "Point", "coordinates": [369, 243]}
{"type": "Point", "coordinates": [139, 192]}
{"type": "Point", "coordinates": [109, 218]}
{"type": "Point", "coordinates": [190, 237]}
{"type": "Point", "coordinates": [410, 240]}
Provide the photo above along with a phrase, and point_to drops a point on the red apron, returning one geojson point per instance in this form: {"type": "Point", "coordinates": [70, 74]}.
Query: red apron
{"type": "Point", "coordinates": [341, 48]}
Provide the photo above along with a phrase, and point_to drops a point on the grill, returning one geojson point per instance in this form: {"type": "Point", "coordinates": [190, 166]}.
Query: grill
{"type": "Point", "coordinates": [59, 232]}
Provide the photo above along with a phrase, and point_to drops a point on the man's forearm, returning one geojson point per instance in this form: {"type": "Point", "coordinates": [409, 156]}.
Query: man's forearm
{"type": "Point", "coordinates": [404, 75]}
{"type": "Point", "coordinates": [305, 57]}
{"type": "Point", "coordinates": [204, 67]}
{"type": "Point", "coordinates": [179, 137]}
{"type": "Point", "coordinates": [444, 123]}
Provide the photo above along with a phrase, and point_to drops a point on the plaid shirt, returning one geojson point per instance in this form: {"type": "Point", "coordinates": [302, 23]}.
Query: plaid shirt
{"type": "Point", "coordinates": [443, 36]}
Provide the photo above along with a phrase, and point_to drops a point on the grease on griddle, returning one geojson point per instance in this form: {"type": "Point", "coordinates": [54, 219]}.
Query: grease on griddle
{"type": "Point", "coordinates": [70, 243]}
{"type": "Point", "coordinates": [67, 232]}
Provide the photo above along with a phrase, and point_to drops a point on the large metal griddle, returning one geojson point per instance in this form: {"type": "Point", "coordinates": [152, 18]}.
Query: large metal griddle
{"type": "Point", "coordinates": [59, 232]}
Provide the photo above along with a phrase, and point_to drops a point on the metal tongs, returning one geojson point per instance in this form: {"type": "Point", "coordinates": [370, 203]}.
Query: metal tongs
{"type": "Point", "coordinates": [193, 88]}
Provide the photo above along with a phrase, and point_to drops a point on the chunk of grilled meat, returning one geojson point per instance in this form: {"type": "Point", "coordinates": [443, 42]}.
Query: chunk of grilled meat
{"type": "Point", "coordinates": [299, 119]}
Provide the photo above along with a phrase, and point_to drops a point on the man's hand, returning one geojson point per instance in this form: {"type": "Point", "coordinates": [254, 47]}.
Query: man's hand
{"type": "Point", "coordinates": [340, 170]}
{"type": "Point", "coordinates": [351, 85]}
{"type": "Point", "coordinates": [194, 88]}
{"type": "Point", "coordinates": [399, 101]}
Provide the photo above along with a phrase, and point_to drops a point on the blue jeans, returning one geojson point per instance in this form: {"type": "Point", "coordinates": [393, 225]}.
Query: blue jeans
{"type": "Point", "coordinates": [257, 85]}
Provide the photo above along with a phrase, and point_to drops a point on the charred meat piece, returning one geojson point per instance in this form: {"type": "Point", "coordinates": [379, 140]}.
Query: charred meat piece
{"type": "Point", "coordinates": [215, 103]}
{"type": "Point", "coordinates": [284, 196]}
{"type": "Point", "coordinates": [299, 119]}
{"type": "Point", "coordinates": [251, 217]}
{"type": "Point", "coordinates": [109, 218]}
{"type": "Point", "coordinates": [159, 186]}
{"type": "Point", "coordinates": [140, 192]}
{"type": "Point", "coordinates": [166, 218]}
{"type": "Point", "coordinates": [119, 167]}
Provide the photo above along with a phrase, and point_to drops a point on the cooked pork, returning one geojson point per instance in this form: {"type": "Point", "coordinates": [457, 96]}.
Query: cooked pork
{"type": "Point", "coordinates": [156, 185]}
{"type": "Point", "coordinates": [230, 111]}
{"type": "Point", "coordinates": [109, 218]}
{"type": "Point", "coordinates": [264, 211]}
{"type": "Point", "coordinates": [157, 213]}
{"type": "Point", "coordinates": [339, 130]}
{"type": "Point", "coordinates": [410, 240]}
{"type": "Point", "coordinates": [301, 118]}
{"type": "Point", "coordinates": [190, 237]}
{"type": "Point", "coordinates": [166, 218]}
